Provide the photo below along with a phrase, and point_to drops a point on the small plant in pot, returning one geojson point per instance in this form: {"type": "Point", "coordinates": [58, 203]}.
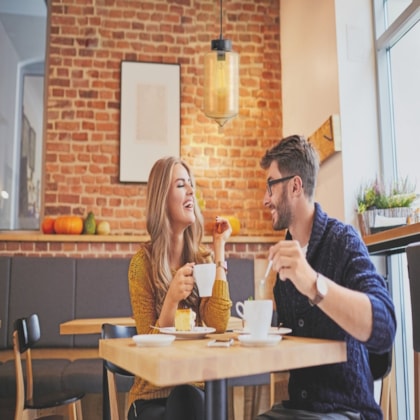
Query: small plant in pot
{"type": "Point", "coordinates": [381, 207]}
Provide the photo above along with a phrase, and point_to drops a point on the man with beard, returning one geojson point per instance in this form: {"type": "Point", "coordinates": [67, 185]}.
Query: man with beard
{"type": "Point", "coordinates": [326, 287]}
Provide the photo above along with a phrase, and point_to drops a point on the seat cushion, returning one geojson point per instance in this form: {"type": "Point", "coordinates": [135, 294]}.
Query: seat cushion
{"type": "Point", "coordinates": [101, 291]}
{"type": "Point", "coordinates": [47, 375]}
{"type": "Point", "coordinates": [44, 286]}
{"type": "Point", "coordinates": [84, 375]}
{"type": "Point", "coordinates": [4, 299]}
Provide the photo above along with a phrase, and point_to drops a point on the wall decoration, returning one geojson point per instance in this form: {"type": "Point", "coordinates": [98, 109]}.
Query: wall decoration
{"type": "Point", "coordinates": [327, 139]}
{"type": "Point", "coordinates": [28, 208]}
{"type": "Point", "coordinates": [32, 149]}
{"type": "Point", "coordinates": [150, 117]}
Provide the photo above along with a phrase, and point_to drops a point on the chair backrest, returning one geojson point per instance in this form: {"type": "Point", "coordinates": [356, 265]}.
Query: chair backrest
{"type": "Point", "coordinates": [26, 333]}
{"type": "Point", "coordinates": [110, 401]}
{"type": "Point", "coordinates": [240, 280]}
{"type": "Point", "coordinates": [380, 364]}
{"type": "Point", "coordinates": [413, 266]}
{"type": "Point", "coordinates": [117, 331]}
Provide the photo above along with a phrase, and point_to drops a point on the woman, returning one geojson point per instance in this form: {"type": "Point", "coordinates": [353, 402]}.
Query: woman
{"type": "Point", "coordinates": [161, 281]}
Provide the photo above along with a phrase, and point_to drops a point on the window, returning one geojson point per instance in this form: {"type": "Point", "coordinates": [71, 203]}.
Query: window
{"type": "Point", "coordinates": [22, 48]}
{"type": "Point", "coordinates": [398, 60]}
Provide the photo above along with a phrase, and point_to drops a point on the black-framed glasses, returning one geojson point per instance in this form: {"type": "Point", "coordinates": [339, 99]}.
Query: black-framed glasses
{"type": "Point", "coordinates": [272, 182]}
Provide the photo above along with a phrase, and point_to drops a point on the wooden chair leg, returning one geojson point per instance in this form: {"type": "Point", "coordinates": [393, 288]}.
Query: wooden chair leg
{"type": "Point", "coordinates": [79, 410]}
{"type": "Point", "coordinates": [272, 388]}
{"type": "Point", "coordinates": [238, 402]}
{"type": "Point", "coordinates": [256, 400]}
{"type": "Point", "coordinates": [385, 397]}
{"type": "Point", "coordinates": [113, 396]}
{"type": "Point", "coordinates": [416, 386]}
{"type": "Point", "coordinates": [393, 409]}
{"type": "Point", "coordinates": [72, 411]}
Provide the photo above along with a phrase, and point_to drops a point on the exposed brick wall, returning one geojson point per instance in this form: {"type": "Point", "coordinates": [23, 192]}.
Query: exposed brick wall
{"type": "Point", "coordinates": [89, 39]}
{"type": "Point", "coordinates": [111, 249]}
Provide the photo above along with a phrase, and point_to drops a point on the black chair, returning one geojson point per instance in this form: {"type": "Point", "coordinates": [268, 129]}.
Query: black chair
{"type": "Point", "coordinates": [241, 287]}
{"type": "Point", "coordinates": [31, 404]}
{"type": "Point", "coordinates": [413, 265]}
{"type": "Point", "coordinates": [110, 396]}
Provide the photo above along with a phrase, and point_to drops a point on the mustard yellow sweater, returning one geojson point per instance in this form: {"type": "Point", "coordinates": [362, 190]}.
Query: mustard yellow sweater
{"type": "Point", "coordinates": [213, 311]}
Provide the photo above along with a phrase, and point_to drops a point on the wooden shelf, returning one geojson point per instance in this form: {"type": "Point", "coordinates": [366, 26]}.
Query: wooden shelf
{"type": "Point", "coordinates": [19, 236]}
{"type": "Point", "coordinates": [392, 241]}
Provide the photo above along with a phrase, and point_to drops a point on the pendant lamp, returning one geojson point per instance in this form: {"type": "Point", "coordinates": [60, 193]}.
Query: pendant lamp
{"type": "Point", "coordinates": [221, 80]}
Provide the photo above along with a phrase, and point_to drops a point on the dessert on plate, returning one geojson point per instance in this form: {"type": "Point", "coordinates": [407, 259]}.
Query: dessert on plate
{"type": "Point", "coordinates": [184, 319]}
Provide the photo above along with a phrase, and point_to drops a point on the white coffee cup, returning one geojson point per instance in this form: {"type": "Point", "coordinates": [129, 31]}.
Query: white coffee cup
{"type": "Point", "coordinates": [204, 276]}
{"type": "Point", "coordinates": [257, 314]}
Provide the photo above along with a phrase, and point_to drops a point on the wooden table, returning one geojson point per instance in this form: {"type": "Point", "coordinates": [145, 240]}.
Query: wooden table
{"type": "Point", "coordinates": [188, 361]}
{"type": "Point", "coordinates": [92, 325]}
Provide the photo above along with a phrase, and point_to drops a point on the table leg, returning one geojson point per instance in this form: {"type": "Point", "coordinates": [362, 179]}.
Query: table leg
{"type": "Point", "coordinates": [216, 400]}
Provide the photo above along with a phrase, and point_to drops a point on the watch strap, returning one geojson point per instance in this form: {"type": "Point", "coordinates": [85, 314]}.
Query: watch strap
{"type": "Point", "coordinates": [318, 296]}
{"type": "Point", "coordinates": [222, 264]}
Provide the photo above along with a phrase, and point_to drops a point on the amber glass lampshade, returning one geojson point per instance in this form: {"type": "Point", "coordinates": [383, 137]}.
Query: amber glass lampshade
{"type": "Point", "coordinates": [221, 86]}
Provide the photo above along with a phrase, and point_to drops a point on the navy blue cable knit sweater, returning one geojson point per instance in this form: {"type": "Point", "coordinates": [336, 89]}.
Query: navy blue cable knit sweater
{"type": "Point", "coordinates": [337, 251]}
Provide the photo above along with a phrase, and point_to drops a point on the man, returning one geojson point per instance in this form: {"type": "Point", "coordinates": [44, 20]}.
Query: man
{"type": "Point", "coordinates": [326, 287]}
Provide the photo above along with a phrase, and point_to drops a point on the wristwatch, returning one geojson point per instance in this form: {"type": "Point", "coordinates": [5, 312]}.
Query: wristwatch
{"type": "Point", "coordinates": [321, 289]}
{"type": "Point", "coordinates": [222, 264]}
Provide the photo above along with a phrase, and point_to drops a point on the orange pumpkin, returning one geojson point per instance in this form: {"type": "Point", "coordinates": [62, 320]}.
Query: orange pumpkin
{"type": "Point", "coordinates": [48, 225]}
{"type": "Point", "coordinates": [234, 223]}
{"type": "Point", "coordinates": [68, 225]}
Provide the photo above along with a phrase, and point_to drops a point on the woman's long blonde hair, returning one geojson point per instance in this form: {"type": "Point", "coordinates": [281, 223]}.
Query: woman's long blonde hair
{"type": "Point", "coordinates": [158, 227]}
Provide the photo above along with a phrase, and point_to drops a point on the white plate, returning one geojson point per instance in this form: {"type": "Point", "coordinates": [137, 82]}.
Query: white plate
{"type": "Point", "coordinates": [196, 332]}
{"type": "Point", "coordinates": [153, 340]}
{"type": "Point", "coordinates": [270, 340]}
{"type": "Point", "coordinates": [272, 331]}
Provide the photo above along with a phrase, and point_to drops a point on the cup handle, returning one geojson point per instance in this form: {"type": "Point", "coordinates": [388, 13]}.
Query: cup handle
{"type": "Point", "coordinates": [240, 309]}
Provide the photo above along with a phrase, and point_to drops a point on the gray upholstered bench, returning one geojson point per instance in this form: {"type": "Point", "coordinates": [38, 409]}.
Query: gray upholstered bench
{"type": "Point", "coordinates": [60, 289]}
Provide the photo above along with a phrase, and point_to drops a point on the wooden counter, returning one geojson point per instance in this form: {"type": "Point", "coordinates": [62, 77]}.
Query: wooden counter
{"type": "Point", "coordinates": [20, 236]}
{"type": "Point", "coordinates": [392, 241]}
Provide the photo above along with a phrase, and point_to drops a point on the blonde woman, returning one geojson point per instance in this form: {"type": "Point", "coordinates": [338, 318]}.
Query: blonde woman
{"type": "Point", "coordinates": [161, 281]}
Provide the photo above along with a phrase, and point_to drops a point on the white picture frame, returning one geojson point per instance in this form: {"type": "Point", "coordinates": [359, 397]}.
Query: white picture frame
{"type": "Point", "coordinates": [149, 117]}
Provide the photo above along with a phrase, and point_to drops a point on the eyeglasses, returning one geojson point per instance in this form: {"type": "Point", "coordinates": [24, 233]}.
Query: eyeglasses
{"type": "Point", "coordinates": [272, 182]}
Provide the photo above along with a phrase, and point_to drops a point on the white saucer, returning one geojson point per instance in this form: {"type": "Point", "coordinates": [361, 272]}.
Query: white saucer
{"type": "Point", "coordinates": [272, 331]}
{"type": "Point", "coordinates": [270, 340]}
{"type": "Point", "coordinates": [153, 340]}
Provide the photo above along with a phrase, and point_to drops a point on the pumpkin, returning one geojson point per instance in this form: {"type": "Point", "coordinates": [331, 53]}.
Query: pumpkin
{"type": "Point", "coordinates": [235, 224]}
{"type": "Point", "coordinates": [48, 225]}
{"type": "Point", "coordinates": [69, 225]}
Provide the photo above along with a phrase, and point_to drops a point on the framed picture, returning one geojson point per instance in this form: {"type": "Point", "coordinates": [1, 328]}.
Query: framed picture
{"type": "Point", "coordinates": [32, 148]}
{"type": "Point", "coordinates": [150, 117]}
{"type": "Point", "coordinates": [26, 128]}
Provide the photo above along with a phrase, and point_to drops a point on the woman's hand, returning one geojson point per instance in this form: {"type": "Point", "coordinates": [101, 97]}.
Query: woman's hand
{"type": "Point", "coordinates": [221, 229]}
{"type": "Point", "coordinates": [182, 283]}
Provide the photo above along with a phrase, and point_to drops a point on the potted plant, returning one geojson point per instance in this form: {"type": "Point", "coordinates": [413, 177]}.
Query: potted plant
{"type": "Point", "coordinates": [381, 207]}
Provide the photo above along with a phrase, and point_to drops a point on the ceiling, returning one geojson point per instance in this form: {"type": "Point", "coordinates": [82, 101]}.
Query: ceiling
{"type": "Point", "coordinates": [24, 22]}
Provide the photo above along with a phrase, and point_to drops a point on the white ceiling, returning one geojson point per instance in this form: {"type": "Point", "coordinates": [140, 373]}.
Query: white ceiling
{"type": "Point", "coordinates": [24, 7]}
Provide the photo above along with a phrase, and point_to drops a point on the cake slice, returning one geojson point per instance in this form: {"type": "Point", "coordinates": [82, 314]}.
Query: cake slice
{"type": "Point", "coordinates": [184, 319]}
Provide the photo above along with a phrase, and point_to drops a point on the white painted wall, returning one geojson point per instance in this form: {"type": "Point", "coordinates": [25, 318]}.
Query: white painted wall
{"type": "Point", "coordinates": [328, 67]}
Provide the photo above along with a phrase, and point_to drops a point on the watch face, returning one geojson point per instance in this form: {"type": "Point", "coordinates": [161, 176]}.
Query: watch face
{"type": "Point", "coordinates": [321, 285]}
